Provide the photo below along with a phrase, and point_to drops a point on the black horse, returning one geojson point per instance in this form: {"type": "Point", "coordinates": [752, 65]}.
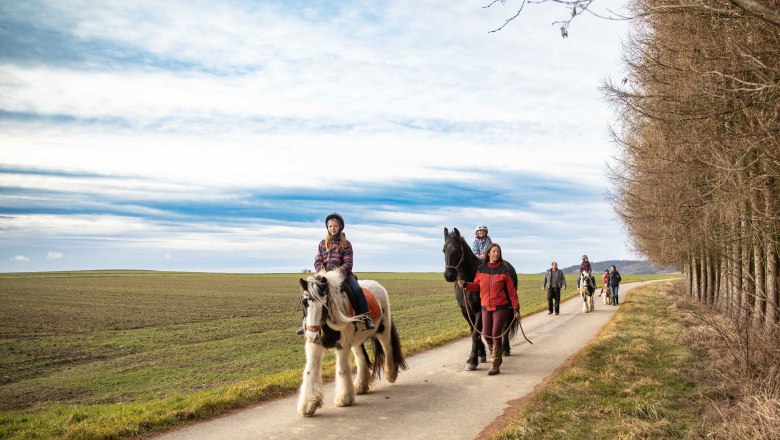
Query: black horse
{"type": "Point", "coordinates": [461, 263]}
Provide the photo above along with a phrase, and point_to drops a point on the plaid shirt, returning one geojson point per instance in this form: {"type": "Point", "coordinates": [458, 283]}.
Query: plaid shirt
{"type": "Point", "coordinates": [332, 258]}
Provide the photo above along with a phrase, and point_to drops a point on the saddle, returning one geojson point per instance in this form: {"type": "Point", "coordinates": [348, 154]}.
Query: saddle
{"type": "Point", "coordinates": [373, 306]}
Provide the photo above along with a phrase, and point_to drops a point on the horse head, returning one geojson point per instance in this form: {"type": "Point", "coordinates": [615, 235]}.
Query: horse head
{"type": "Point", "coordinates": [315, 301]}
{"type": "Point", "coordinates": [454, 254]}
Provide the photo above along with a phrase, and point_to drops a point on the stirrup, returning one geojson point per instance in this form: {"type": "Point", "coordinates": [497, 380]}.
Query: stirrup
{"type": "Point", "coordinates": [369, 324]}
{"type": "Point", "coordinates": [300, 331]}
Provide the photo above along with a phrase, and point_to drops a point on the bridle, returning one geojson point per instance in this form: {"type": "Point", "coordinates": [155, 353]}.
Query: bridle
{"type": "Point", "coordinates": [307, 296]}
{"type": "Point", "coordinates": [457, 266]}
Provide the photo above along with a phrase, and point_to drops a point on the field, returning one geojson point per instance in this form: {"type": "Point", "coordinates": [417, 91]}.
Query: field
{"type": "Point", "coordinates": [103, 354]}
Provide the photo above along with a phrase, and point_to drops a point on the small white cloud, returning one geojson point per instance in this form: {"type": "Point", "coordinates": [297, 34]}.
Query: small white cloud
{"type": "Point", "coordinates": [19, 258]}
{"type": "Point", "coordinates": [168, 256]}
{"type": "Point", "coordinates": [53, 255]}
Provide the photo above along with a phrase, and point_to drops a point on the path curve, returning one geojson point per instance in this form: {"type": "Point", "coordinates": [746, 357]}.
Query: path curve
{"type": "Point", "coordinates": [435, 398]}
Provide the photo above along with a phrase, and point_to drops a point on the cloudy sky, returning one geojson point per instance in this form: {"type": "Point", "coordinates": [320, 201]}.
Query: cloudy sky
{"type": "Point", "coordinates": [203, 136]}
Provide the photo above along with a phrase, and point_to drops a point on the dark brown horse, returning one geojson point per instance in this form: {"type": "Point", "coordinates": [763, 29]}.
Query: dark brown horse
{"type": "Point", "coordinates": [461, 263]}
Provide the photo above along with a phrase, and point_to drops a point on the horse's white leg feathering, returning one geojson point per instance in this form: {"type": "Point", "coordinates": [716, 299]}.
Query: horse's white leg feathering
{"type": "Point", "coordinates": [311, 394]}
{"type": "Point", "coordinates": [345, 393]}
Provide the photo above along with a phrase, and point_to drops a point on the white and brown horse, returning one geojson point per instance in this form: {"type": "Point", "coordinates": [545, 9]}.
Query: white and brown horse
{"type": "Point", "coordinates": [587, 288]}
{"type": "Point", "coordinates": [329, 324]}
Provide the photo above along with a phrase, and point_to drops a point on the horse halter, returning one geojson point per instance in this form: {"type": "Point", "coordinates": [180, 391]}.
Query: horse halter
{"type": "Point", "coordinates": [325, 306]}
{"type": "Point", "coordinates": [462, 256]}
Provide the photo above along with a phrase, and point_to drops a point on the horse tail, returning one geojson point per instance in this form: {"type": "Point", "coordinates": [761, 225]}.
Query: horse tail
{"type": "Point", "coordinates": [398, 355]}
{"type": "Point", "coordinates": [379, 358]}
{"type": "Point", "coordinates": [366, 357]}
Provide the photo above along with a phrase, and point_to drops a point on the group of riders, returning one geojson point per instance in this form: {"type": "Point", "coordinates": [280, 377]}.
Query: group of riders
{"type": "Point", "coordinates": [498, 294]}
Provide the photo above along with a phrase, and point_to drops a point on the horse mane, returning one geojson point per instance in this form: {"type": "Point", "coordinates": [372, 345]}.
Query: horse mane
{"type": "Point", "coordinates": [468, 253]}
{"type": "Point", "coordinates": [338, 302]}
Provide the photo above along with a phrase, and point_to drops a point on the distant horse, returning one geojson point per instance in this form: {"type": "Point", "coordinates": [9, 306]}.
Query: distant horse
{"type": "Point", "coordinates": [461, 263]}
{"type": "Point", "coordinates": [607, 294]}
{"type": "Point", "coordinates": [587, 287]}
{"type": "Point", "coordinates": [328, 323]}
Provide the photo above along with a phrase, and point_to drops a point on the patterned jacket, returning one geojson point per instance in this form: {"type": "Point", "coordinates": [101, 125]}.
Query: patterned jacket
{"type": "Point", "coordinates": [494, 285]}
{"type": "Point", "coordinates": [480, 246]}
{"type": "Point", "coordinates": [332, 258]}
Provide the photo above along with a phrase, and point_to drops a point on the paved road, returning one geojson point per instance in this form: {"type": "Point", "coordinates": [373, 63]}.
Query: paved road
{"type": "Point", "coordinates": [434, 399]}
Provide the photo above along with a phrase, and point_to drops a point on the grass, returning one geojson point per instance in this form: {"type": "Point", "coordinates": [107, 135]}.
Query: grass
{"type": "Point", "coordinates": [629, 383]}
{"type": "Point", "coordinates": [109, 354]}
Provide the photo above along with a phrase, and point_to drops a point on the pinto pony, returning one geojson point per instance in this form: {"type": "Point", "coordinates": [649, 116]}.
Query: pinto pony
{"type": "Point", "coordinates": [607, 294]}
{"type": "Point", "coordinates": [329, 325]}
{"type": "Point", "coordinates": [587, 287]}
{"type": "Point", "coordinates": [461, 263]}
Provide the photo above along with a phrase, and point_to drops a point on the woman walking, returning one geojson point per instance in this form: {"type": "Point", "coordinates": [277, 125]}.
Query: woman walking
{"type": "Point", "coordinates": [498, 296]}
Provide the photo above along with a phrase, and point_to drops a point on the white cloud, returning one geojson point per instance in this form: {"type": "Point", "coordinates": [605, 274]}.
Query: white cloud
{"type": "Point", "coordinates": [54, 255]}
{"type": "Point", "coordinates": [246, 96]}
{"type": "Point", "coordinates": [19, 258]}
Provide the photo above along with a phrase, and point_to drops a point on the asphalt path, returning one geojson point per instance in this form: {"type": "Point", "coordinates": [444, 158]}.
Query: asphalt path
{"type": "Point", "coordinates": [435, 398]}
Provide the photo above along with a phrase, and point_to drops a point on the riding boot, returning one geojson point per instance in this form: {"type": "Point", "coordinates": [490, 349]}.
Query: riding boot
{"type": "Point", "coordinates": [497, 359]}
{"type": "Point", "coordinates": [490, 351]}
{"type": "Point", "coordinates": [301, 331]}
{"type": "Point", "coordinates": [369, 323]}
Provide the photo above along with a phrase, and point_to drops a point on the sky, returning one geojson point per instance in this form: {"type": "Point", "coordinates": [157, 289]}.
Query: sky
{"type": "Point", "coordinates": [217, 136]}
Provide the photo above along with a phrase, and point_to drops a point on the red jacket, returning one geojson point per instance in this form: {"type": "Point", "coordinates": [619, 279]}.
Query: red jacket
{"type": "Point", "coordinates": [493, 284]}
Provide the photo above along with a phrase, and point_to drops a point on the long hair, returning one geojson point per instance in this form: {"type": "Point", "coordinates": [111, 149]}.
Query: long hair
{"type": "Point", "coordinates": [486, 258]}
{"type": "Point", "coordinates": [342, 241]}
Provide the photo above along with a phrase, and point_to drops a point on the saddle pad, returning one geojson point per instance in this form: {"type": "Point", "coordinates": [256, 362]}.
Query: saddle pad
{"type": "Point", "coordinates": [373, 306]}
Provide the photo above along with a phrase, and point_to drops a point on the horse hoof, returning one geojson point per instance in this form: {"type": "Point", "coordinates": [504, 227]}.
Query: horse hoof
{"type": "Point", "coordinates": [482, 359]}
{"type": "Point", "coordinates": [471, 367]}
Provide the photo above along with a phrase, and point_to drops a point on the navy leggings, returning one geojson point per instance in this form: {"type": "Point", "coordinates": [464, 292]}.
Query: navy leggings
{"type": "Point", "coordinates": [356, 296]}
{"type": "Point", "coordinates": [493, 324]}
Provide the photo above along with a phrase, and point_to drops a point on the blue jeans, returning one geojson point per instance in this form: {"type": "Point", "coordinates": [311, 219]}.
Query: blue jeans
{"type": "Point", "coordinates": [356, 296]}
{"type": "Point", "coordinates": [614, 291]}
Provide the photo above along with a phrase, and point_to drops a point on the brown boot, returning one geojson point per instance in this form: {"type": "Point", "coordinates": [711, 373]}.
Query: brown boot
{"type": "Point", "coordinates": [497, 359]}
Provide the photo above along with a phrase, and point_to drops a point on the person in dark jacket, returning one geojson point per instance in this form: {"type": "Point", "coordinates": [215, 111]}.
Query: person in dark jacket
{"type": "Point", "coordinates": [554, 281]}
{"type": "Point", "coordinates": [335, 252]}
{"type": "Point", "coordinates": [614, 283]}
{"type": "Point", "coordinates": [498, 296]}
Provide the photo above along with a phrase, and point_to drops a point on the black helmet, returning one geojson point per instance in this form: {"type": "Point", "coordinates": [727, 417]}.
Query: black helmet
{"type": "Point", "coordinates": [335, 216]}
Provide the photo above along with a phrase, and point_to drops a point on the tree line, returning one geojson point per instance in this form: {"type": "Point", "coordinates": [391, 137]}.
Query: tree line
{"type": "Point", "coordinates": [696, 180]}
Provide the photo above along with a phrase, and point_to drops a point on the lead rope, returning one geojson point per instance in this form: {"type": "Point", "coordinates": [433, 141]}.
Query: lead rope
{"type": "Point", "coordinates": [468, 314]}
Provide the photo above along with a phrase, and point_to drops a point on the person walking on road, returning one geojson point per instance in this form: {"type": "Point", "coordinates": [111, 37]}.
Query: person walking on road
{"type": "Point", "coordinates": [554, 281]}
{"type": "Point", "coordinates": [614, 283]}
{"type": "Point", "coordinates": [498, 296]}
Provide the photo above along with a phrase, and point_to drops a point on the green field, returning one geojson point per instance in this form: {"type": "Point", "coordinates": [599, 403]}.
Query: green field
{"type": "Point", "coordinates": [104, 354]}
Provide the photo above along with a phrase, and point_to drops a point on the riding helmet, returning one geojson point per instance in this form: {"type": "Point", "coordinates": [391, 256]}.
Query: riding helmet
{"type": "Point", "coordinates": [481, 228]}
{"type": "Point", "coordinates": [335, 216]}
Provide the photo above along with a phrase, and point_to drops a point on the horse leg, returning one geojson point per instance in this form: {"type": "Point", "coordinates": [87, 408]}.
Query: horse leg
{"type": "Point", "coordinates": [505, 341]}
{"type": "Point", "coordinates": [584, 303]}
{"type": "Point", "coordinates": [480, 345]}
{"type": "Point", "coordinates": [311, 394]}
{"type": "Point", "coordinates": [363, 376]}
{"type": "Point", "coordinates": [345, 392]}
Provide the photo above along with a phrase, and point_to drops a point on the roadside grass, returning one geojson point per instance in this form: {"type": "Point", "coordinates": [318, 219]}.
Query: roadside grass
{"type": "Point", "coordinates": [631, 382]}
{"type": "Point", "coordinates": [110, 354]}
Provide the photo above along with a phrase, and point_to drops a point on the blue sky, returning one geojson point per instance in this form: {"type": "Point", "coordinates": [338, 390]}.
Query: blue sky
{"type": "Point", "coordinates": [189, 135]}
